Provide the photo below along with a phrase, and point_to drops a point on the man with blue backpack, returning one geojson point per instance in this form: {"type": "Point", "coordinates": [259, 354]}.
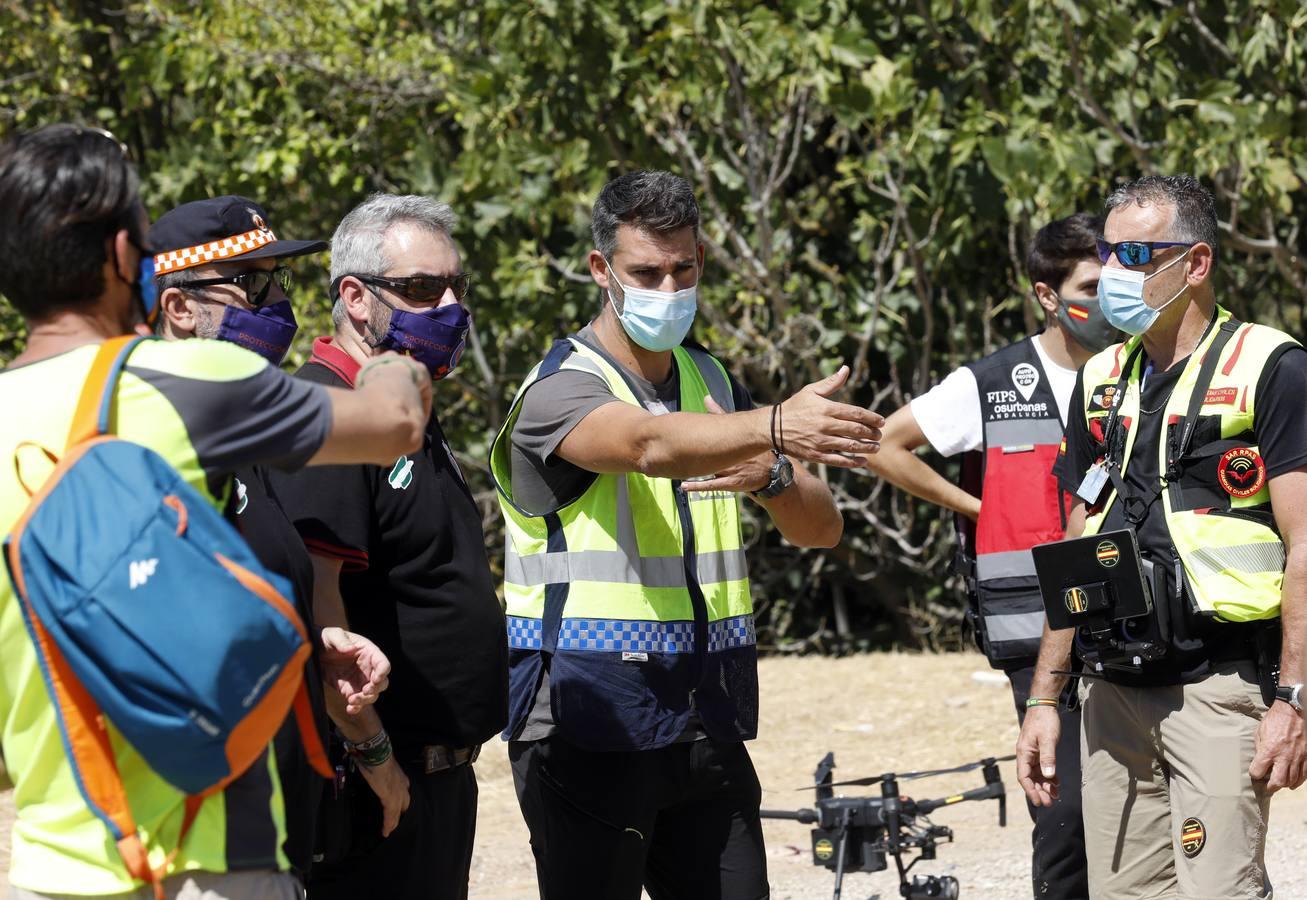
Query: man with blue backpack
{"type": "Point", "coordinates": [124, 584]}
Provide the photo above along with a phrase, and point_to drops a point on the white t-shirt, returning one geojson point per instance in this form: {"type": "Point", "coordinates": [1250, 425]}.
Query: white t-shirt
{"type": "Point", "coordinates": [949, 413]}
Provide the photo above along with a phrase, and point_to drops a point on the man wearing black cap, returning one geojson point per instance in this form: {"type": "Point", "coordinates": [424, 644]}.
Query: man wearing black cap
{"type": "Point", "coordinates": [221, 276]}
{"type": "Point", "coordinates": [399, 550]}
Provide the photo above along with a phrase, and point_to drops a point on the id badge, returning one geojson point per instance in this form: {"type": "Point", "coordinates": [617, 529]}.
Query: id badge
{"type": "Point", "coordinates": [1092, 485]}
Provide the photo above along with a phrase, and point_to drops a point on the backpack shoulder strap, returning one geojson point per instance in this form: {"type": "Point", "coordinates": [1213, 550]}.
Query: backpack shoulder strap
{"type": "Point", "coordinates": [91, 417]}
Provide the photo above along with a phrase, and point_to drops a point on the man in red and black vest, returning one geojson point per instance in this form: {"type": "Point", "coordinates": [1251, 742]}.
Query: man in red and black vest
{"type": "Point", "coordinates": [1006, 413]}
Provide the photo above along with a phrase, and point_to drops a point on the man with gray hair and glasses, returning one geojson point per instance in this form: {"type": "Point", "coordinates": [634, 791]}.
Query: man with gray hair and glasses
{"type": "Point", "coordinates": [399, 556]}
{"type": "Point", "coordinates": [1191, 436]}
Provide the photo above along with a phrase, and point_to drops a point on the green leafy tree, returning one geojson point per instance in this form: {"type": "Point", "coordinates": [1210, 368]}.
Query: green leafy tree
{"type": "Point", "coordinates": [869, 174]}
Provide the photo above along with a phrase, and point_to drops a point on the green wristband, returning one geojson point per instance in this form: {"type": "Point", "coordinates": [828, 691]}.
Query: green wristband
{"type": "Point", "coordinates": [378, 363]}
{"type": "Point", "coordinates": [1041, 701]}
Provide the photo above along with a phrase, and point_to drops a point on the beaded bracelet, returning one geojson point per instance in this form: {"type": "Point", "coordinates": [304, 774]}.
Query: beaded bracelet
{"type": "Point", "coordinates": [372, 752]}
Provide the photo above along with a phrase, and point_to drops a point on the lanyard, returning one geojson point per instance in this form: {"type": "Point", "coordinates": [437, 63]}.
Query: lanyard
{"type": "Point", "coordinates": [1136, 507]}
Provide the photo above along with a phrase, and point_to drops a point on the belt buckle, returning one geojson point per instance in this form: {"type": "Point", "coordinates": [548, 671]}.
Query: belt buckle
{"type": "Point", "coordinates": [436, 758]}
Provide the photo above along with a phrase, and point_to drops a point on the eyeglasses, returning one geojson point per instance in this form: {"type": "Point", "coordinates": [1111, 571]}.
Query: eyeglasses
{"type": "Point", "coordinates": [1134, 253]}
{"type": "Point", "coordinates": [423, 288]}
{"type": "Point", "coordinates": [256, 284]}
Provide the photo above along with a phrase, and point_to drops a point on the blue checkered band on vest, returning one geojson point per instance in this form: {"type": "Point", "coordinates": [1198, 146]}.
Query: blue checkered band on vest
{"type": "Point", "coordinates": [616, 636]}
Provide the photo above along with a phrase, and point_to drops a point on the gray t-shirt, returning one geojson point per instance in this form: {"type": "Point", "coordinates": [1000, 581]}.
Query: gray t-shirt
{"type": "Point", "coordinates": [542, 482]}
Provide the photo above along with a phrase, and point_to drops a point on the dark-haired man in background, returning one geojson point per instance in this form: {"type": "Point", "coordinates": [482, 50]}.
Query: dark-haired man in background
{"type": "Point", "coordinates": [633, 681]}
{"type": "Point", "coordinates": [1007, 412]}
{"type": "Point", "coordinates": [72, 233]}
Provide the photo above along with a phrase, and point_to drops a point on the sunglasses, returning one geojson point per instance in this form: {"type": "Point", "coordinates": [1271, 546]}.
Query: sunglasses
{"type": "Point", "coordinates": [423, 288]}
{"type": "Point", "coordinates": [1134, 253]}
{"type": "Point", "coordinates": [256, 284]}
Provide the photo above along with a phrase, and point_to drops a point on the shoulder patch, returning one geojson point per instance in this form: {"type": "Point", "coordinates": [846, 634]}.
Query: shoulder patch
{"type": "Point", "coordinates": [1103, 397]}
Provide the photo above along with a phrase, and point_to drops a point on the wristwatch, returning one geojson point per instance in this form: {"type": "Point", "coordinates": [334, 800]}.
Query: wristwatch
{"type": "Point", "coordinates": [782, 476]}
{"type": "Point", "coordinates": [1290, 694]}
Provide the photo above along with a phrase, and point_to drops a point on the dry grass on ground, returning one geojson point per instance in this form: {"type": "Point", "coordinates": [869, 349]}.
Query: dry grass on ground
{"type": "Point", "coordinates": [876, 712]}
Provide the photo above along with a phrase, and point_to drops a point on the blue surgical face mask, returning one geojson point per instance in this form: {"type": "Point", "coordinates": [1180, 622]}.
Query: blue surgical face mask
{"type": "Point", "coordinates": [1121, 295]}
{"type": "Point", "coordinates": [656, 320]}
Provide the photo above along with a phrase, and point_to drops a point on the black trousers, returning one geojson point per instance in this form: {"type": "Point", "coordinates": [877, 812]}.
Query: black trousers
{"type": "Point", "coordinates": [1057, 866]}
{"type": "Point", "coordinates": [426, 857]}
{"type": "Point", "coordinates": [681, 821]}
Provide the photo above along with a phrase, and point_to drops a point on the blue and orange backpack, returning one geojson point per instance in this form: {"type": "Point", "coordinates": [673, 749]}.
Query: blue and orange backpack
{"type": "Point", "coordinates": [148, 609]}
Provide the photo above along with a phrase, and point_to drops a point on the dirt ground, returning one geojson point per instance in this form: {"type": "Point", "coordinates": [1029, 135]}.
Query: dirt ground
{"type": "Point", "coordinates": [877, 712]}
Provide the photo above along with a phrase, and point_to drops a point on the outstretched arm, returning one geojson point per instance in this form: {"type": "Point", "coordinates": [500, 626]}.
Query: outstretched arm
{"type": "Point", "coordinates": [898, 463]}
{"type": "Point", "coordinates": [619, 437]}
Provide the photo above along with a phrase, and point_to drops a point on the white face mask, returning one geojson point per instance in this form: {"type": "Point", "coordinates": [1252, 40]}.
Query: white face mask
{"type": "Point", "coordinates": [656, 320]}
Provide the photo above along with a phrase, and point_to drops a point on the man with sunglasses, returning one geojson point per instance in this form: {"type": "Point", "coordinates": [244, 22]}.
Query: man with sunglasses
{"type": "Point", "coordinates": [1005, 414]}
{"type": "Point", "coordinates": [399, 556]}
{"type": "Point", "coordinates": [220, 275]}
{"type": "Point", "coordinates": [1191, 434]}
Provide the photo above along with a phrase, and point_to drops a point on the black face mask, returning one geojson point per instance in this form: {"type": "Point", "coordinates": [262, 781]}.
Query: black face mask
{"type": "Point", "coordinates": [1083, 319]}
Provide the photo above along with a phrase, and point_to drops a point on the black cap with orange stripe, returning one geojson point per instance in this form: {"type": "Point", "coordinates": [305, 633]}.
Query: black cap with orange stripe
{"type": "Point", "coordinates": [218, 230]}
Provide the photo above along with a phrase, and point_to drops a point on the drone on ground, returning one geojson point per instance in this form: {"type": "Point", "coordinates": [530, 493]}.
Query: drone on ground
{"type": "Point", "coordinates": [857, 834]}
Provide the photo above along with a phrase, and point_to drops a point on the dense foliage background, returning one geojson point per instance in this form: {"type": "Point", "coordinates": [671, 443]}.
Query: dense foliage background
{"type": "Point", "coordinates": [869, 174]}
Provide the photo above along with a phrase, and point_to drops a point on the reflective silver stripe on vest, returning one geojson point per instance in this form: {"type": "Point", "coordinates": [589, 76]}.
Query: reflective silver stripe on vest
{"type": "Point", "coordinates": [615, 566]}
{"type": "Point", "coordinates": [1011, 564]}
{"type": "Point", "coordinates": [1015, 627]}
{"type": "Point", "coordinates": [1011, 432]}
{"type": "Point", "coordinates": [624, 565]}
{"type": "Point", "coordinates": [1249, 558]}
{"type": "Point", "coordinates": [641, 636]}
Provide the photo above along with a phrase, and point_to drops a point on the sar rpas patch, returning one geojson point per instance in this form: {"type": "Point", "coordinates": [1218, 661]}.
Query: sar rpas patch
{"type": "Point", "coordinates": [1241, 472]}
{"type": "Point", "coordinates": [1026, 378]}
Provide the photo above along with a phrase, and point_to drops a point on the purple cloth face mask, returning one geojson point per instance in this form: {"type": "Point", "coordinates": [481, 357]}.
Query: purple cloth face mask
{"type": "Point", "coordinates": [434, 338]}
{"type": "Point", "coordinates": [266, 331]}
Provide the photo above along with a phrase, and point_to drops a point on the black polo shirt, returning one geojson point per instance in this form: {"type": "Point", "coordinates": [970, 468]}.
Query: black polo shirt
{"type": "Point", "coordinates": [254, 509]}
{"type": "Point", "coordinates": [414, 578]}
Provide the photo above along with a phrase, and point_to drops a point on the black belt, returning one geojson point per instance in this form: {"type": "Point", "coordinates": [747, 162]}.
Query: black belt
{"type": "Point", "coordinates": [435, 758]}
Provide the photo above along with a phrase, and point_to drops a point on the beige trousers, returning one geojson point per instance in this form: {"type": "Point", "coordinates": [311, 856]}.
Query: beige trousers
{"type": "Point", "coordinates": [1170, 812]}
{"type": "Point", "coordinates": [254, 885]}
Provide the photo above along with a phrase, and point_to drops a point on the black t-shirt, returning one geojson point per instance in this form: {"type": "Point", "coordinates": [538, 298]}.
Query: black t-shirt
{"type": "Point", "coordinates": [1281, 434]}
{"type": "Point", "coordinates": [414, 579]}
{"type": "Point", "coordinates": [254, 510]}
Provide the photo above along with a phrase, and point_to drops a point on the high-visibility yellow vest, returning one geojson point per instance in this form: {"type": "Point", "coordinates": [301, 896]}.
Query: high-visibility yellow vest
{"type": "Point", "coordinates": [635, 594]}
{"type": "Point", "coordinates": [1215, 498]}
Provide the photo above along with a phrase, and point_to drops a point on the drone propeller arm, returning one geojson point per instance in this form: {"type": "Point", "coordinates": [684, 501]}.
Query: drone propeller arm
{"type": "Point", "coordinates": [992, 791]}
{"type": "Point", "coordinates": [806, 816]}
